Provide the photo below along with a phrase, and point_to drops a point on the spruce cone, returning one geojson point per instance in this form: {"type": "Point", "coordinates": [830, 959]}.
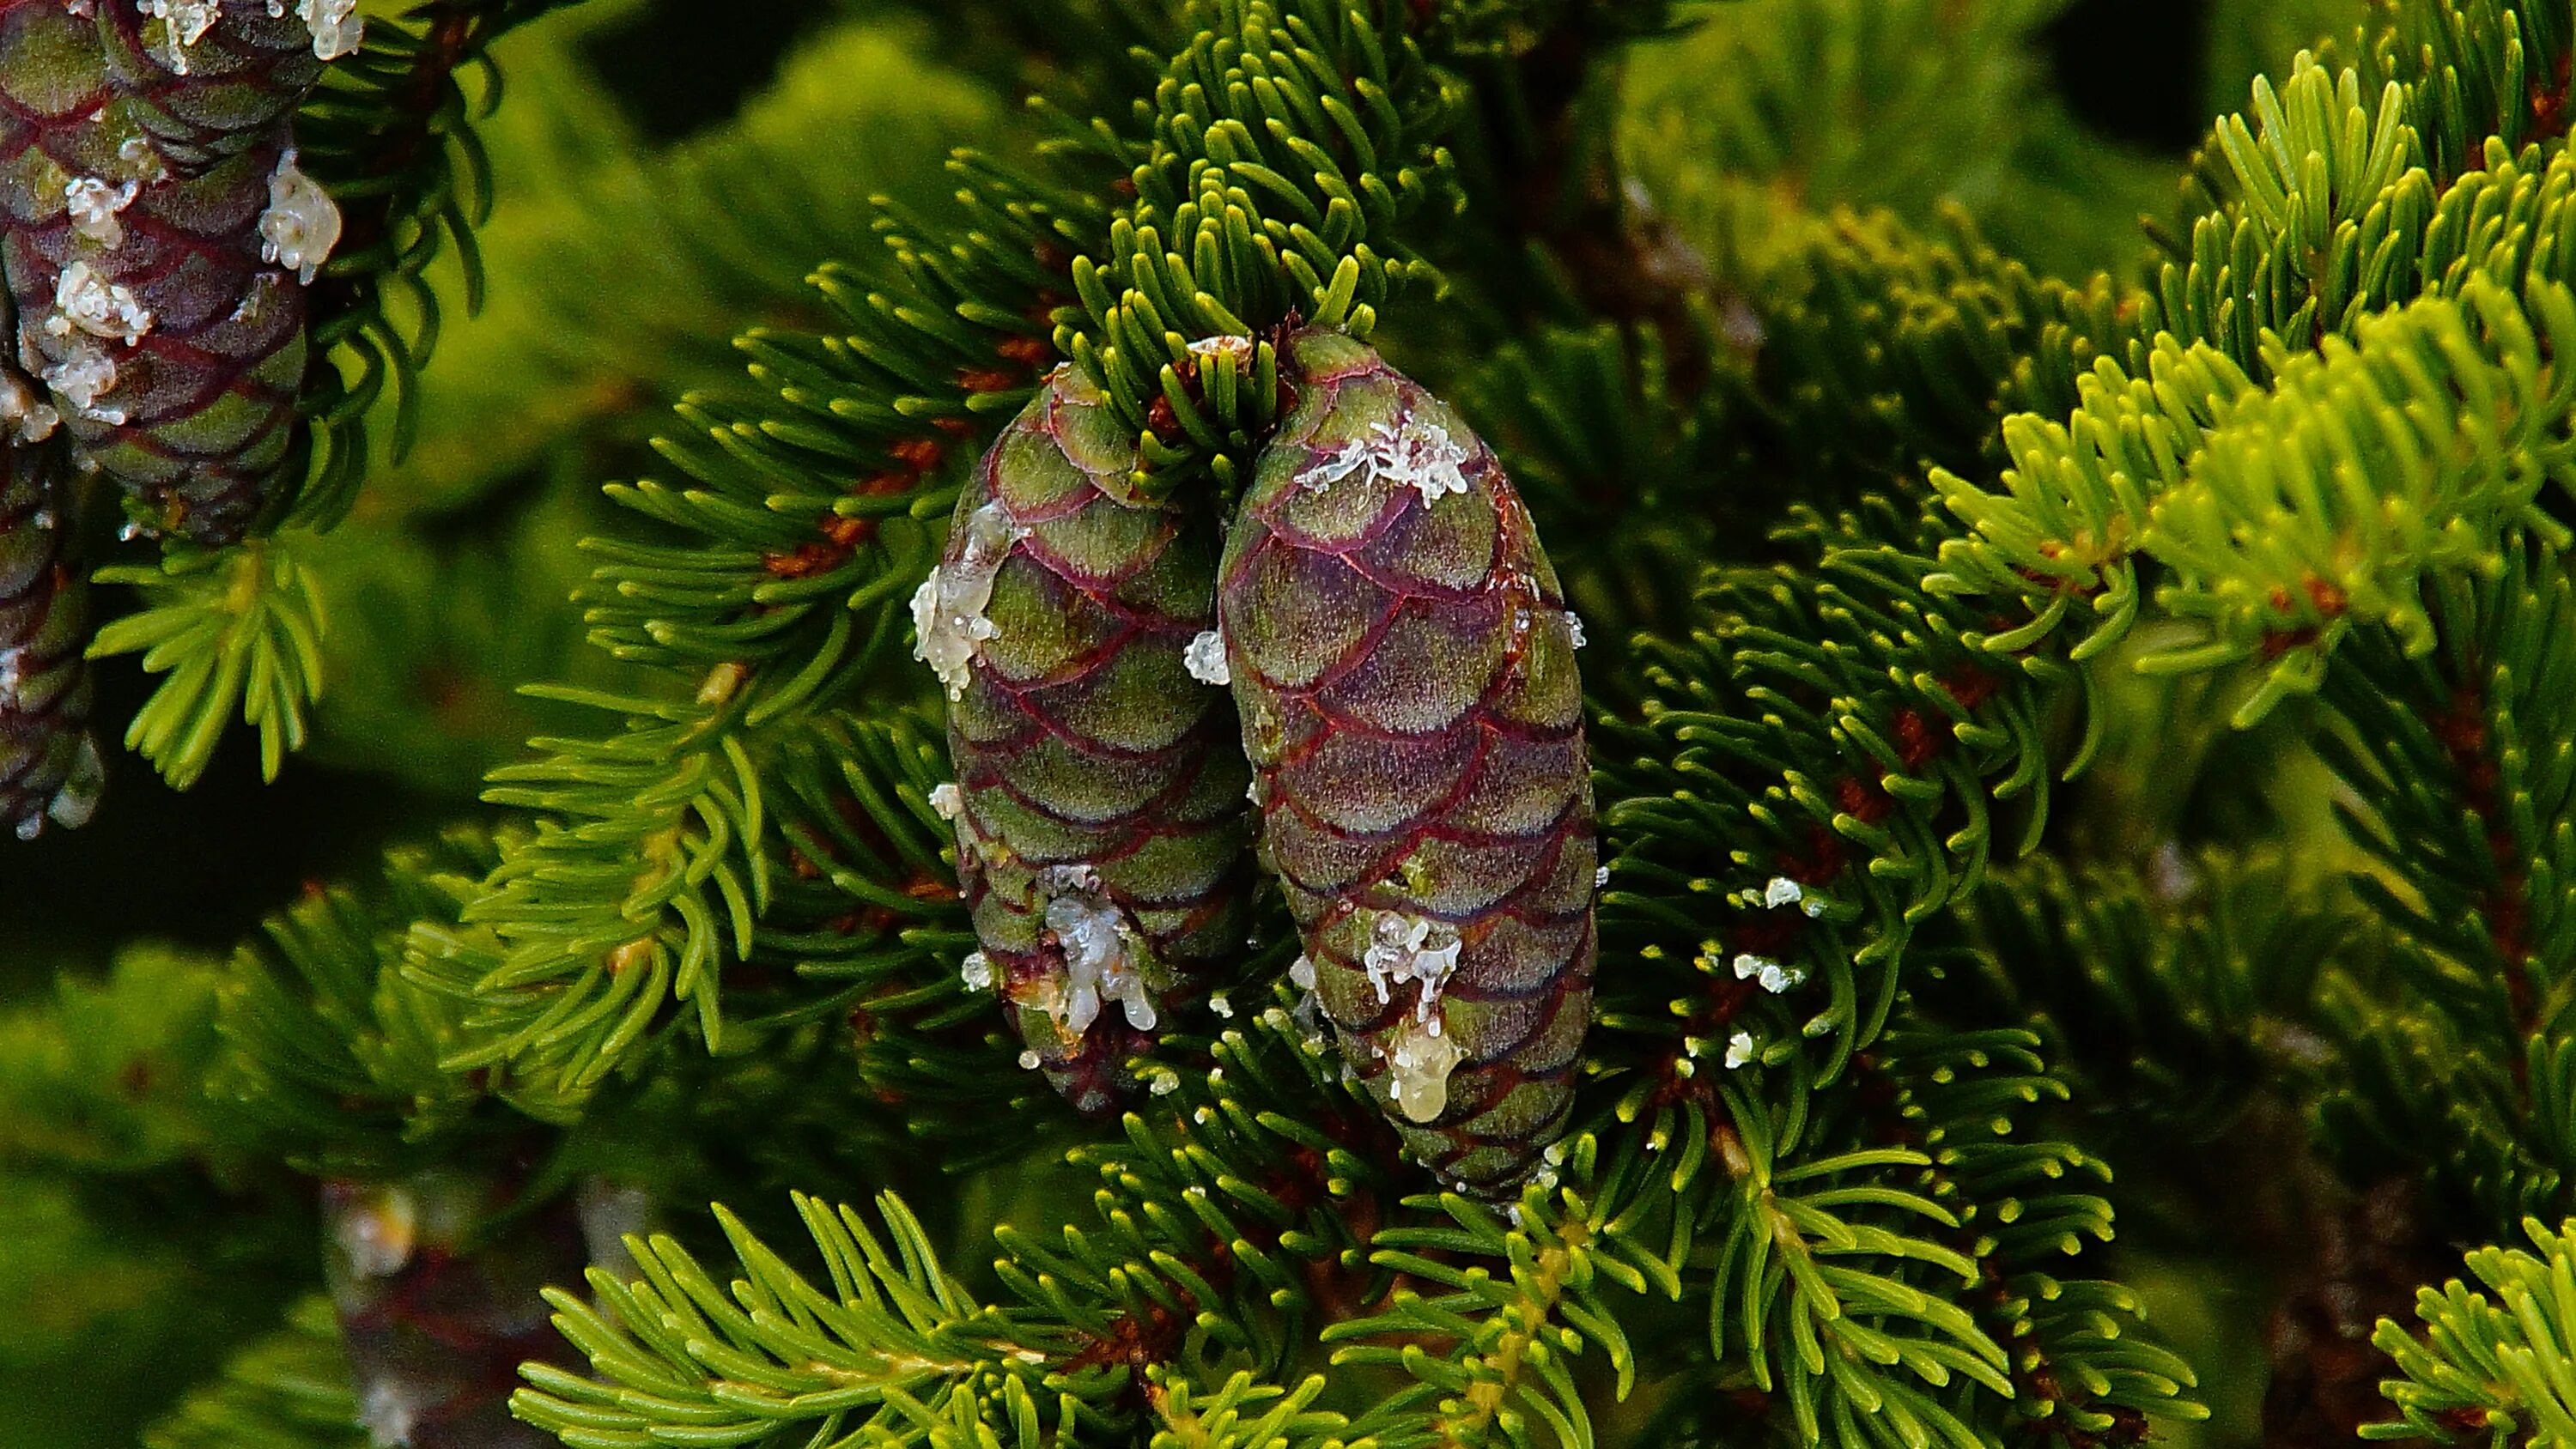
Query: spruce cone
{"type": "Point", "coordinates": [158, 237]}
{"type": "Point", "coordinates": [436, 1280]}
{"type": "Point", "coordinates": [1404, 664]}
{"type": "Point", "coordinates": [1102, 838]}
{"type": "Point", "coordinates": [49, 766]}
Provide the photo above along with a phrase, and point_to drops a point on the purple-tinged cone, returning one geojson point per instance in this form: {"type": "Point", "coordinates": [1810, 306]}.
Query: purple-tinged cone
{"type": "Point", "coordinates": [436, 1281]}
{"type": "Point", "coordinates": [1403, 662]}
{"type": "Point", "coordinates": [1103, 841]}
{"type": "Point", "coordinates": [49, 765]}
{"type": "Point", "coordinates": [157, 239]}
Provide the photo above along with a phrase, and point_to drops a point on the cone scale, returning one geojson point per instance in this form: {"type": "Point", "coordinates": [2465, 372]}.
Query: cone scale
{"type": "Point", "coordinates": [49, 766]}
{"type": "Point", "coordinates": [435, 1280]}
{"type": "Point", "coordinates": [157, 239]}
{"type": "Point", "coordinates": [1099, 805]}
{"type": "Point", "coordinates": [1403, 663]}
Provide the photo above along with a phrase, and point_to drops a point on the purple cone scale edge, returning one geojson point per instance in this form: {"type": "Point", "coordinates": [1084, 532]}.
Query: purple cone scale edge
{"type": "Point", "coordinates": [158, 238]}
{"type": "Point", "coordinates": [1103, 835]}
{"type": "Point", "coordinates": [49, 765]}
{"type": "Point", "coordinates": [1402, 660]}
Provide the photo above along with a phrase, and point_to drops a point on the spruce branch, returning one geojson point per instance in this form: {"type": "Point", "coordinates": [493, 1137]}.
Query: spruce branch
{"type": "Point", "coordinates": [2287, 517]}
{"type": "Point", "coordinates": [232, 628]}
{"type": "Point", "coordinates": [388, 135]}
{"type": "Point", "coordinates": [2167, 999]}
{"type": "Point", "coordinates": [2489, 1369]}
{"type": "Point", "coordinates": [2465, 790]}
{"type": "Point", "coordinates": [333, 1054]}
{"type": "Point", "coordinates": [891, 1350]}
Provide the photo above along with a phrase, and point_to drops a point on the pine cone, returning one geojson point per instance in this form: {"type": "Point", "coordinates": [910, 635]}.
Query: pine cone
{"type": "Point", "coordinates": [49, 766]}
{"type": "Point", "coordinates": [1102, 836]}
{"type": "Point", "coordinates": [1404, 664]}
{"type": "Point", "coordinates": [159, 238]}
{"type": "Point", "coordinates": [436, 1280]}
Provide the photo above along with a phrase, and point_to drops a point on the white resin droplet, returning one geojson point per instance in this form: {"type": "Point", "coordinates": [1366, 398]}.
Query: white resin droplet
{"type": "Point", "coordinates": [378, 1232]}
{"type": "Point", "coordinates": [947, 800]}
{"type": "Point", "coordinates": [1218, 1003]}
{"type": "Point", "coordinates": [94, 206]}
{"type": "Point", "coordinates": [1098, 947]}
{"type": "Point", "coordinates": [24, 414]}
{"type": "Point", "coordinates": [1232, 349]}
{"type": "Point", "coordinates": [183, 24]}
{"type": "Point", "coordinates": [1415, 454]}
{"type": "Point", "coordinates": [1205, 659]}
{"type": "Point", "coordinates": [87, 302]}
{"type": "Point", "coordinates": [390, 1410]}
{"type": "Point", "coordinates": [336, 27]}
{"type": "Point", "coordinates": [1748, 965]}
{"type": "Point", "coordinates": [1600, 877]}
{"type": "Point", "coordinates": [1574, 627]}
{"type": "Point", "coordinates": [948, 609]}
{"type": "Point", "coordinates": [301, 225]}
{"type": "Point", "coordinates": [976, 971]}
{"type": "Point", "coordinates": [1406, 948]}
{"type": "Point", "coordinates": [1419, 1062]}
{"type": "Point", "coordinates": [83, 375]}
{"type": "Point", "coordinates": [77, 800]}
{"type": "Point", "coordinates": [1782, 892]}
{"type": "Point", "coordinates": [1301, 973]}
{"type": "Point", "coordinates": [1029, 1061]}
{"type": "Point", "coordinates": [1739, 1049]}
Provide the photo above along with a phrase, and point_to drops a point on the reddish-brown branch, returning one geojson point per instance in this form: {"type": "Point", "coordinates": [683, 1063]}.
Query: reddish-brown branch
{"type": "Point", "coordinates": [2462, 730]}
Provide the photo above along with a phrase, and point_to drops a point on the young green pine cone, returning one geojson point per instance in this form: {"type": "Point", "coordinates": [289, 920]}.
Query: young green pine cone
{"type": "Point", "coordinates": [49, 766]}
{"type": "Point", "coordinates": [1102, 836]}
{"type": "Point", "coordinates": [157, 238]}
{"type": "Point", "coordinates": [1404, 665]}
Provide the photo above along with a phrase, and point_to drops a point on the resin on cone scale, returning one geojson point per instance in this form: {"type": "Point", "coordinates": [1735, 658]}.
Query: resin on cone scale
{"type": "Point", "coordinates": [158, 237]}
{"type": "Point", "coordinates": [49, 765]}
{"type": "Point", "coordinates": [1103, 839]}
{"type": "Point", "coordinates": [1403, 662]}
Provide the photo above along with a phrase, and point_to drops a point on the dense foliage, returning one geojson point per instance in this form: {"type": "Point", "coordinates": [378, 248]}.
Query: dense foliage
{"type": "Point", "coordinates": [2061, 693]}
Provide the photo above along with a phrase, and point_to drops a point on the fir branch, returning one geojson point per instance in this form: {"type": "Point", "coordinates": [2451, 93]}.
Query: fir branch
{"type": "Point", "coordinates": [1242, 1413]}
{"type": "Point", "coordinates": [287, 1390]}
{"type": "Point", "coordinates": [387, 134]}
{"type": "Point", "coordinates": [2466, 787]}
{"type": "Point", "coordinates": [2490, 1369]}
{"type": "Point", "coordinates": [1795, 765]}
{"type": "Point", "coordinates": [894, 1350]}
{"type": "Point", "coordinates": [651, 874]}
{"type": "Point", "coordinates": [1291, 143]}
{"type": "Point", "coordinates": [2256, 500]}
{"type": "Point", "coordinates": [2485, 71]}
{"type": "Point", "coordinates": [2166, 1000]}
{"type": "Point", "coordinates": [1512, 1334]}
{"type": "Point", "coordinates": [233, 628]}
{"type": "Point", "coordinates": [390, 136]}
{"type": "Point", "coordinates": [331, 1051]}
{"type": "Point", "coordinates": [2084, 1373]}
